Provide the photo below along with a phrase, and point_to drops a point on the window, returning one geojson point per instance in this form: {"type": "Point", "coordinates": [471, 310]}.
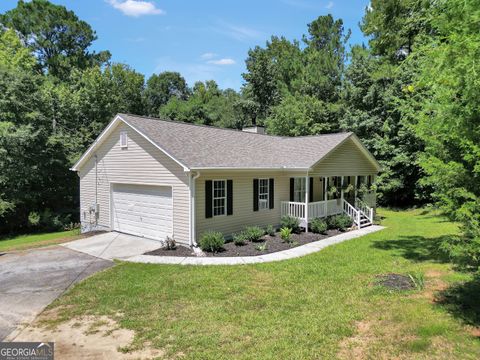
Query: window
{"type": "Point", "coordinates": [263, 194]}
{"type": "Point", "coordinates": [299, 189]}
{"type": "Point", "coordinates": [123, 139]}
{"type": "Point", "coordinates": [219, 197]}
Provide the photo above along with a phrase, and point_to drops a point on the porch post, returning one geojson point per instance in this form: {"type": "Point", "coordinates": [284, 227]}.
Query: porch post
{"type": "Point", "coordinates": [325, 195]}
{"type": "Point", "coordinates": [356, 182]}
{"type": "Point", "coordinates": [307, 186]}
{"type": "Point", "coordinates": [341, 191]}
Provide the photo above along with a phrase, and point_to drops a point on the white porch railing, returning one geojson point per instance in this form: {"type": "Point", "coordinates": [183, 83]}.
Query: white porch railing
{"type": "Point", "coordinates": [361, 215]}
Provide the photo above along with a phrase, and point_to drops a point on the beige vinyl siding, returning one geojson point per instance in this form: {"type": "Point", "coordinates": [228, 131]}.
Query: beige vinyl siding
{"type": "Point", "coordinates": [345, 160]}
{"type": "Point", "coordinates": [139, 163]}
{"type": "Point", "coordinates": [243, 214]}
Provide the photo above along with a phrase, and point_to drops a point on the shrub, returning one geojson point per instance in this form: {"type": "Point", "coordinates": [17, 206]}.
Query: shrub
{"type": "Point", "coordinates": [253, 233]}
{"type": "Point", "coordinates": [240, 239]}
{"type": "Point", "coordinates": [212, 241]}
{"type": "Point", "coordinates": [318, 226]}
{"type": "Point", "coordinates": [340, 222]}
{"type": "Point", "coordinates": [262, 247]}
{"type": "Point", "coordinates": [286, 234]}
{"type": "Point", "coordinates": [291, 223]}
{"type": "Point", "coordinates": [270, 230]}
{"type": "Point", "coordinates": [169, 243]}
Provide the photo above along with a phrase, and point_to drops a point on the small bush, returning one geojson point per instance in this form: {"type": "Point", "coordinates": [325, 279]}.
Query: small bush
{"type": "Point", "coordinates": [291, 223]}
{"type": "Point", "coordinates": [240, 239]}
{"type": "Point", "coordinates": [262, 247]}
{"type": "Point", "coordinates": [169, 243]}
{"type": "Point", "coordinates": [318, 226]}
{"type": "Point", "coordinates": [270, 230]}
{"type": "Point", "coordinates": [212, 241]}
{"type": "Point", "coordinates": [340, 222]}
{"type": "Point", "coordinates": [253, 233]}
{"type": "Point", "coordinates": [286, 234]}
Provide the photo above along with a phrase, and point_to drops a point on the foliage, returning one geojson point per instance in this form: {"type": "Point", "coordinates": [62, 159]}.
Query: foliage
{"type": "Point", "coordinates": [161, 88]}
{"type": "Point", "coordinates": [339, 222]}
{"type": "Point", "coordinates": [262, 247]}
{"type": "Point", "coordinates": [253, 233]}
{"type": "Point", "coordinates": [56, 36]}
{"type": "Point", "coordinates": [418, 279]}
{"type": "Point", "coordinates": [240, 239]}
{"type": "Point", "coordinates": [211, 241]}
{"type": "Point", "coordinates": [291, 222]}
{"type": "Point", "coordinates": [169, 243]}
{"type": "Point", "coordinates": [270, 230]}
{"type": "Point", "coordinates": [286, 234]}
{"type": "Point", "coordinates": [445, 95]}
{"type": "Point", "coordinates": [318, 226]}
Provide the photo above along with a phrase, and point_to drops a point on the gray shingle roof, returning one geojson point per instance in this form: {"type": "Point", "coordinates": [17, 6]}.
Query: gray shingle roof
{"type": "Point", "coordinates": [198, 146]}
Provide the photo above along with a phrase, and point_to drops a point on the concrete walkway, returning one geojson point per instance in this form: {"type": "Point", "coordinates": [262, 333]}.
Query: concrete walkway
{"type": "Point", "coordinates": [240, 260]}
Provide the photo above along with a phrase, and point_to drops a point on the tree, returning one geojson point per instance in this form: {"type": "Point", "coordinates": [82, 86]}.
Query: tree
{"type": "Point", "coordinates": [448, 119]}
{"type": "Point", "coordinates": [161, 88]}
{"type": "Point", "coordinates": [13, 54]}
{"type": "Point", "coordinates": [56, 36]}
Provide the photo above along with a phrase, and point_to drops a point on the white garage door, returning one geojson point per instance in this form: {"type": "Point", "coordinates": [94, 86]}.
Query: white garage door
{"type": "Point", "coordinates": [143, 210]}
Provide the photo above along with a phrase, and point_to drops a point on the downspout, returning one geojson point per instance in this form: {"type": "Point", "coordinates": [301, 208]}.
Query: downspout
{"type": "Point", "coordinates": [192, 184]}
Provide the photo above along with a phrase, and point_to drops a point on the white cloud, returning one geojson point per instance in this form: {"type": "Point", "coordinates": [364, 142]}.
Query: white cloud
{"type": "Point", "coordinates": [208, 55]}
{"type": "Point", "coordinates": [136, 8]}
{"type": "Point", "coordinates": [329, 5]}
{"type": "Point", "coordinates": [224, 61]}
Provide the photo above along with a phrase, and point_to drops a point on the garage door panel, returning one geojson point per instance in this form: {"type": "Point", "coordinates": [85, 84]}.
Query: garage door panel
{"type": "Point", "coordinates": [143, 210]}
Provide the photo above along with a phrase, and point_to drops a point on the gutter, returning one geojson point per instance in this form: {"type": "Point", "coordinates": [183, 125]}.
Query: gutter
{"type": "Point", "coordinates": [192, 188]}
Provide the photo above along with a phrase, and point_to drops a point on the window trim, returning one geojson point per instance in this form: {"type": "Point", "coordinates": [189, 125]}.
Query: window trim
{"type": "Point", "coordinates": [225, 197]}
{"type": "Point", "coordinates": [295, 191]}
{"type": "Point", "coordinates": [123, 136]}
{"type": "Point", "coordinates": [267, 200]}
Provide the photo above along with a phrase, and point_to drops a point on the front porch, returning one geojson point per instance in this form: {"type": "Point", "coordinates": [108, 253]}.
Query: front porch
{"type": "Point", "coordinates": [350, 195]}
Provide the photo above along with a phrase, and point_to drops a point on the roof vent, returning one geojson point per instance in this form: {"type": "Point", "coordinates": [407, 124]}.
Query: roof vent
{"type": "Point", "coordinates": [255, 129]}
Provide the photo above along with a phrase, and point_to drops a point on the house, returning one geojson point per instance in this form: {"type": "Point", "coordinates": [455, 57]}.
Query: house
{"type": "Point", "coordinates": [158, 178]}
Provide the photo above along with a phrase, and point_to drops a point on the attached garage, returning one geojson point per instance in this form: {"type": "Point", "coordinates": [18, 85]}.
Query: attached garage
{"type": "Point", "coordinates": [142, 210]}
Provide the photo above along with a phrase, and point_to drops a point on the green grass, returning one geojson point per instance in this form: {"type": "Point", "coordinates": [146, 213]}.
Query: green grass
{"type": "Point", "coordinates": [321, 306]}
{"type": "Point", "coordinates": [30, 241]}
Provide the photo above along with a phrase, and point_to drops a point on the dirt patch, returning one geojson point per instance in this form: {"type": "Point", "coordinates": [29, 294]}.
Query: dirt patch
{"type": "Point", "coordinates": [273, 244]}
{"type": "Point", "coordinates": [88, 337]}
{"type": "Point", "coordinates": [356, 347]}
{"type": "Point", "coordinates": [395, 281]}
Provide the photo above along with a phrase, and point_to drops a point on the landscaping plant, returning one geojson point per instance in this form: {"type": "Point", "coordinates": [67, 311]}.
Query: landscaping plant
{"type": "Point", "coordinates": [270, 230]}
{"type": "Point", "coordinates": [240, 239]}
{"type": "Point", "coordinates": [318, 226]}
{"type": "Point", "coordinates": [212, 241]}
{"type": "Point", "coordinates": [292, 223]}
{"type": "Point", "coordinates": [262, 247]}
{"type": "Point", "coordinates": [286, 234]}
{"type": "Point", "coordinates": [253, 233]}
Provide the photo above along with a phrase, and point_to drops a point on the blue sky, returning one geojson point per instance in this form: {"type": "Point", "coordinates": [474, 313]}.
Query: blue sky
{"type": "Point", "coordinates": [200, 39]}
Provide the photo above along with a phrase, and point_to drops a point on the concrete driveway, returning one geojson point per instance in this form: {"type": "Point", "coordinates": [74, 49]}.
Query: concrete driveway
{"type": "Point", "coordinates": [32, 279]}
{"type": "Point", "coordinates": [113, 245]}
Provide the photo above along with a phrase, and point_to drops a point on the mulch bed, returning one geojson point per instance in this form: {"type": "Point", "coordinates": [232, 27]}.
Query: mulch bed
{"type": "Point", "coordinates": [179, 251]}
{"type": "Point", "coordinates": [395, 282]}
{"type": "Point", "coordinates": [274, 244]}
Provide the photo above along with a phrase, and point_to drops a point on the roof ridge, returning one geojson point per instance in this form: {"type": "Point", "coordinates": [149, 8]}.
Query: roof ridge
{"type": "Point", "coordinates": [234, 130]}
{"type": "Point", "coordinates": [197, 125]}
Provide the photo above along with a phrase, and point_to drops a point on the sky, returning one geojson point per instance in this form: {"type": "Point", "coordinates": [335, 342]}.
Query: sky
{"type": "Point", "coordinates": [202, 40]}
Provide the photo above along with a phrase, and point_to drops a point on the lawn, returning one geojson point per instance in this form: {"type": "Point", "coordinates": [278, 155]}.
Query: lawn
{"type": "Point", "coordinates": [321, 306]}
{"type": "Point", "coordinates": [37, 240]}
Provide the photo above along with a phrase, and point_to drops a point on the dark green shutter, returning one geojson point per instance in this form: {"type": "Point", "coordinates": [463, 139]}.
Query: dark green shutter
{"type": "Point", "coordinates": [271, 194]}
{"type": "Point", "coordinates": [208, 199]}
{"type": "Point", "coordinates": [229, 197]}
{"type": "Point", "coordinates": [255, 194]}
{"type": "Point", "coordinates": [310, 190]}
{"type": "Point", "coordinates": [292, 186]}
